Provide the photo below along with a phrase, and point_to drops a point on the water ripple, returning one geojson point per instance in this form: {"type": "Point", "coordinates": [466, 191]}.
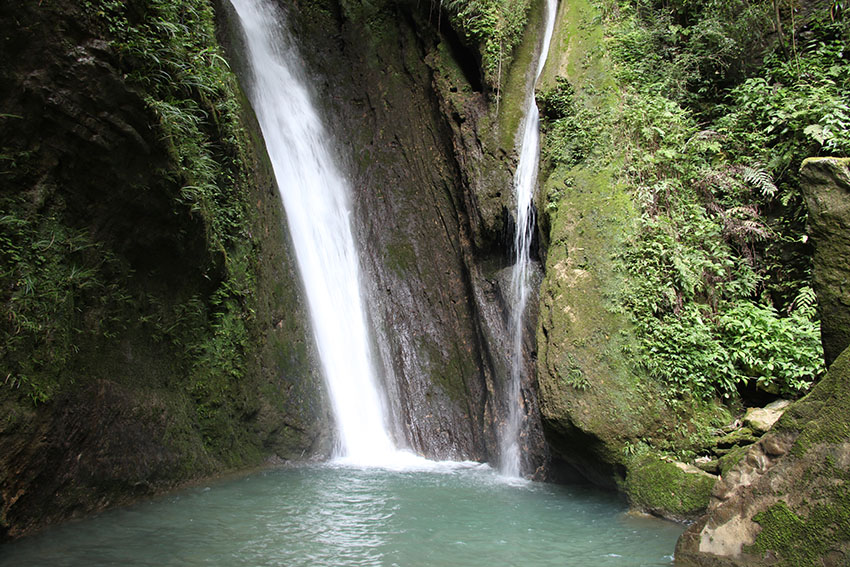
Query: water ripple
{"type": "Point", "coordinates": [341, 517]}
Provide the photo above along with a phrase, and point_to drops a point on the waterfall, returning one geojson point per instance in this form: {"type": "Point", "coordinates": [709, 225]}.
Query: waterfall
{"type": "Point", "coordinates": [525, 181]}
{"type": "Point", "coordinates": [316, 199]}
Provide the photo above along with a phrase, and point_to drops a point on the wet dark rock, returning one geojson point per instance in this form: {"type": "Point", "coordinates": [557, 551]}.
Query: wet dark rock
{"type": "Point", "coordinates": [428, 214]}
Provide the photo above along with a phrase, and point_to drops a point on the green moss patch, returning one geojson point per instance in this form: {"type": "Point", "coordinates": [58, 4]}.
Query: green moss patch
{"type": "Point", "coordinates": [660, 487]}
{"type": "Point", "coordinates": [823, 415]}
{"type": "Point", "coordinates": [805, 541]}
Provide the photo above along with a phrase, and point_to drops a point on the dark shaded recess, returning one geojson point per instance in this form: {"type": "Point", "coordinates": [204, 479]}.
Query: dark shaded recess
{"type": "Point", "coordinates": [585, 457]}
{"type": "Point", "coordinates": [469, 60]}
{"type": "Point", "coordinates": [753, 396]}
{"type": "Point", "coordinates": [93, 434]}
{"type": "Point", "coordinates": [507, 238]}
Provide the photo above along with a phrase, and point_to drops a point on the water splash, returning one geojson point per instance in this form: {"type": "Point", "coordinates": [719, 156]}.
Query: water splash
{"type": "Point", "coordinates": [316, 198]}
{"type": "Point", "coordinates": [525, 181]}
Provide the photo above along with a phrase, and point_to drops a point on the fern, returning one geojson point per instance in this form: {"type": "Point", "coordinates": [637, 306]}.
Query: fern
{"type": "Point", "coordinates": [805, 303]}
{"type": "Point", "coordinates": [761, 179]}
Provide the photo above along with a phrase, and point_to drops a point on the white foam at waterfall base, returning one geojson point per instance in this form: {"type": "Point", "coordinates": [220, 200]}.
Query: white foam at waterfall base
{"type": "Point", "coordinates": [316, 199]}
{"type": "Point", "coordinates": [525, 181]}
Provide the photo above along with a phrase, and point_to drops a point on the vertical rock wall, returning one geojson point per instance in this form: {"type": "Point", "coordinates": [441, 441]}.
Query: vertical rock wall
{"type": "Point", "coordinates": [407, 110]}
{"type": "Point", "coordinates": [147, 339]}
{"type": "Point", "coordinates": [826, 187]}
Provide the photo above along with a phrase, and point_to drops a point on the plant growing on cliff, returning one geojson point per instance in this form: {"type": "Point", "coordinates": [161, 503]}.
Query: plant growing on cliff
{"type": "Point", "coordinates": [569, 129]}
{"type": "Point", "coordinates": [709, 137]}
{"type": "Point", "coordinates": [495, 26]}
{"type": "Point", "coordinates": [51, 275]}
{"type": "Point", "coordinates": [64, 288]}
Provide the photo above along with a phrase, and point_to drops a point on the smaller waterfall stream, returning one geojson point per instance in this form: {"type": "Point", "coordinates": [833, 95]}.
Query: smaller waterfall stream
{"type": "Point", "coordinates": [315, 195]}
{"type": "Point", "coordinates": [525, 182]}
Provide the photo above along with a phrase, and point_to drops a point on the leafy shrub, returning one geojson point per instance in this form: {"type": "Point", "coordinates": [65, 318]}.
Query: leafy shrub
{"type": "Point", "coordinates": [569, 129]}
{"type": "Point", "coordinates": [712, 125]}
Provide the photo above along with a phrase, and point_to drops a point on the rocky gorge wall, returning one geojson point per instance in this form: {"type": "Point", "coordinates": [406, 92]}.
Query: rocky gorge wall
{"type": "Point", "coordinates": [153, 331]}
{"type": "Point", "coordinates": [407, 108]}
{"type": "Point", "coordinates": [156, 332]}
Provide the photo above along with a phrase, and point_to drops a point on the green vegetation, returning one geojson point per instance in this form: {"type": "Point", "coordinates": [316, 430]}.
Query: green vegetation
{"type": "Point", "coordinates": [804, 541]}
{"type": "Point", "coordinates": [495, 27]}
{"type": "Point", "coordinates": [51, 273]}
{"type": "Point", "coordinates": [170, 52]}
{"type": "Point", "coordinates": [716, 113]}
{"type": "Point", "coordinates": [65, 289]}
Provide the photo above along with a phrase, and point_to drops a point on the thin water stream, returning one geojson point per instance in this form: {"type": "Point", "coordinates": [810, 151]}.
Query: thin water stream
{"type": "Point", "coordinates": [331, 516]}
{"type": "Point", "coordinates": [525, 183]}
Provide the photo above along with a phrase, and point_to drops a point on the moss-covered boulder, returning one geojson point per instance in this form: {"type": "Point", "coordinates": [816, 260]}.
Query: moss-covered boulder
{"type": "Point", "coordinates": [787, 502]}
{"type": "Point", "coordinates": [596, 406]}
{"type": "Point", "coordinates": [826, 187]}
{"type": "Point", "coordinates": [668, 488]}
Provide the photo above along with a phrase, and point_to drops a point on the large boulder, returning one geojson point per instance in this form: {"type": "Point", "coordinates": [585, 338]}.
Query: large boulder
{"type": "Point", "coordinates": [788, 501]}
{"type": "Point", "coordinates": [826, 187]}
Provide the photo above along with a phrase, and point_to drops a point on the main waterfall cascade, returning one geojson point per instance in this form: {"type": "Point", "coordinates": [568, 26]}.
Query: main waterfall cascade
{"type": "Point", "coordinates": [316, 199]}
{"type": "Point", "coordinates": [525, 182]}
{"type": "Point", "coordinates": [316, 196]}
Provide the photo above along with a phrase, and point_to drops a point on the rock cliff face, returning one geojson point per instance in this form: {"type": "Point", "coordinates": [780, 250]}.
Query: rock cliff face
{"type": "Point", "coordinates": [788, 501]}
{"type": "Point", "coordinates": [155, 331]}
{"type": "Point", "coordinates": [150, 335]}
{"type": "Point", "coordinates": [407, 108]}
{"type": "Point", "coordinates": [594, 403]}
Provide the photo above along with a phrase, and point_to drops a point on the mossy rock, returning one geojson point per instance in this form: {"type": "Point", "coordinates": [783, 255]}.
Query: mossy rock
{"type": "Point", "coordinates": [787, 500]}
{"type": "Point", "coordinates": [826, 187]}
{"type": "Point", "coordinates": [595, 402]}
{"type": "Point", "coordinates": [148, 206]}
{"type": "Point", "coordinates": [736, 438]}
{"type": "Point", "coordinates": [668, 489]}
